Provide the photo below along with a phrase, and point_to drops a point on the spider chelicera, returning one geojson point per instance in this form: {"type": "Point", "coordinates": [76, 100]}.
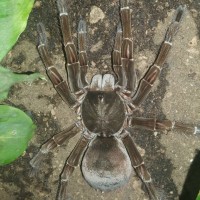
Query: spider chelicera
{"type": "Point", "coordinates": [105, 106]}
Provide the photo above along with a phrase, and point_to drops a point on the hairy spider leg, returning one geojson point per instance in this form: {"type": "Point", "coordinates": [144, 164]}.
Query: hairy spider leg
{"type": "Point", "coordinates": [127, 48]}
{"type": "Point", "coordinates": [116, 58]}
{"type": "Point", "coordinates": [82, 52]}
{"type": "Point", "coordinates": [56, 79]}
{"type": "Point", "coordinates": [164, 125]}
{"type": "Point", "coordinates": [56, 141]}
{"type": "Point", "coordinates": [73, 64]}
{"type": "Point", "coordinates": [152, 74]}
{"type": "Point", "coordinates": [71, 163]}
{"type": "Point", "coordinates": [138, 165]}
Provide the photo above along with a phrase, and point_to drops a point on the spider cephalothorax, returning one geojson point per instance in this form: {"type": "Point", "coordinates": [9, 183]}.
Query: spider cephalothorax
{"type": "Point", "coordinates": [102, 110]}
{"type": "Point", "coordinates": [105, 106]}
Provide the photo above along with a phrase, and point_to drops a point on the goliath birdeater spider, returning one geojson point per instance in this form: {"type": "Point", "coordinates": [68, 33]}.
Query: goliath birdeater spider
{"type": "Point", "coordinates": [105, 106]}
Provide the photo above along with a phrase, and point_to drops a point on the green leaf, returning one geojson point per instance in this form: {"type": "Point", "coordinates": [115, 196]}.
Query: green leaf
{"type": "Point", "coordinates": [16, 130]}
{"type": "Point", "coordinates": [13, 19]}
{"type": "Point", "coordinates": [198, 197]}
{"type": "Point", "coordinates": [8, 78]}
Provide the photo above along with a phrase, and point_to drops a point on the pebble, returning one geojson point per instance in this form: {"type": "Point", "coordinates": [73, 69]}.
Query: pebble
{"type": "Point", "coordinates": [37, 4]}
{"type": "Point", "coordinates": [96, 14]}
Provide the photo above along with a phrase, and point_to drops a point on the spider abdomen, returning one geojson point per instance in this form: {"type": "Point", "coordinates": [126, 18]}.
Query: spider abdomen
{"type": "Point", "coordinates": [106, 164]}
{"type": "Point", "coordinates": [103, 112]}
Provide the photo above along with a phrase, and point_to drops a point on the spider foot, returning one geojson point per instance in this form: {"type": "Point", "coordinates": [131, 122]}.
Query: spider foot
{"type": "Point", "coordinates": [36, 162]}
{"type": "Point", "coordinates": [64, 178]}
{"type": "Point", "coordinates": [82, 26]}
{"type": "Point", "coordinates": [62, 7]}
{"type": "Point", "coordinates": [174, 26]}
{"type": "Point", "coordinates": [152, 190]}
{"type": "Point", "coordinates": [160, 194]}
{"type": "Point", "coordinates": [62, 191]}
{"type": "Point", "coordinates": [41, 33]}
{"type": "Point", "coordinates": [34, 172]}
{"type": "Point", "coordinates": [124, 3]}
{"type": "Point", "coordinates": [197, 130]}
{"type": "Point", "coordinates": [179, 13]}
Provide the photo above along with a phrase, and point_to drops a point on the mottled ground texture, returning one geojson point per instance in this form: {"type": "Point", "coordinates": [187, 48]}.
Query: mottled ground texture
{"type": "Point", "coordinates": [176, 96]}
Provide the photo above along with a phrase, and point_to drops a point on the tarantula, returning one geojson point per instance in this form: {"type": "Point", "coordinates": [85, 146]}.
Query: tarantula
{"type": "Point", "coordinates": [105, 106]}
